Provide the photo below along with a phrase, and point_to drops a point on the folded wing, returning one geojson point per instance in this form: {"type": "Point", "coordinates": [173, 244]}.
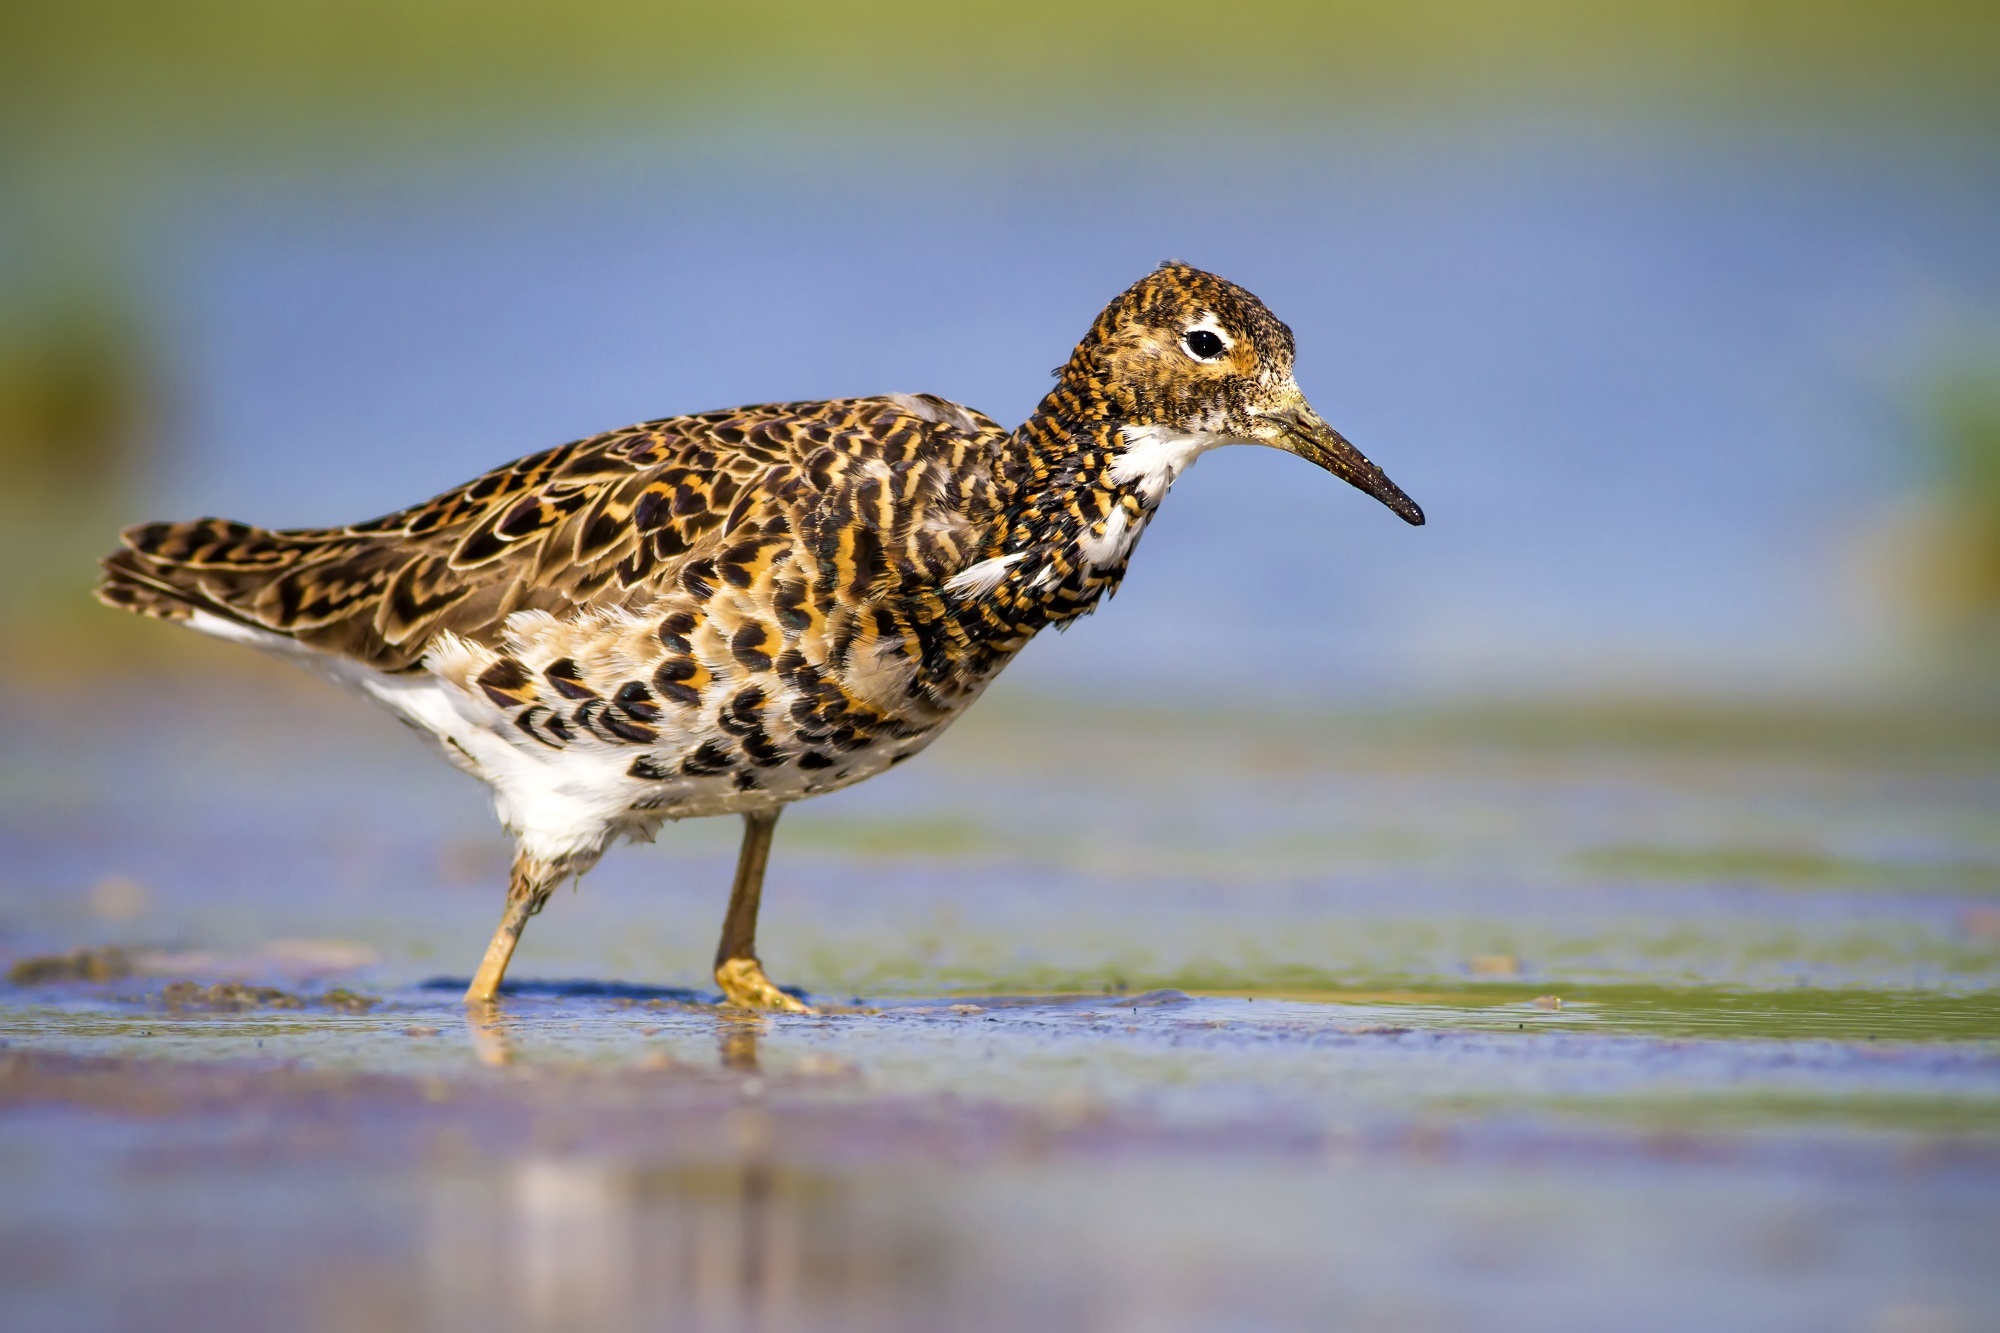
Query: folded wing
{"type": "Point", "coordinates": [599, 524]}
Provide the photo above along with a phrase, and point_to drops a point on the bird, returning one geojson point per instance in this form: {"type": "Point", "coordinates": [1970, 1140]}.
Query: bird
{"type": "Point", "coordinates": [728, 612]}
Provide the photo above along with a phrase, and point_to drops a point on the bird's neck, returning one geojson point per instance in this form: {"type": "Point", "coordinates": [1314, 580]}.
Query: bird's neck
{"type": "Point", "coordinates": [1086, 448]}
{"type": "Point", "coordinates": [1083, 482]}
{"type": "Point", "coordinates": [1058, 448]}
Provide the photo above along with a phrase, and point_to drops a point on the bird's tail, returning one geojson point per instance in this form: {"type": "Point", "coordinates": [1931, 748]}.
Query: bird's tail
{"type": "Point", "coordinates": [171, 570]}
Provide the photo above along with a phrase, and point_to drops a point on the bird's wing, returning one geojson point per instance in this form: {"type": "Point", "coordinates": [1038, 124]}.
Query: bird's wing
{"type": "Point", "coordinates": [596, 525]}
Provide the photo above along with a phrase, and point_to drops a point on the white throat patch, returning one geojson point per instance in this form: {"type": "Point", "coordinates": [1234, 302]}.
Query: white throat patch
{"type": "Point", "coordinates": [1155, 456]}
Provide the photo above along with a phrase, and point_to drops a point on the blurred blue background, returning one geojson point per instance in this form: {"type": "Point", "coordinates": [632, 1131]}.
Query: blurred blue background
{"type": "Point", "coordinates": [1649, 308]}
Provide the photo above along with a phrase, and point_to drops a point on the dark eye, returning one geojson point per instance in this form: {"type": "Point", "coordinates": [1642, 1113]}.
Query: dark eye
{"type": "Point", "coordinates": [1203, 344]}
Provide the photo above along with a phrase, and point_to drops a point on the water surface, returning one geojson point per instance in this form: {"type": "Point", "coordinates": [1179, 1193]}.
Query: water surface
{"type": "Point", "coordinates": [1133, 1019]}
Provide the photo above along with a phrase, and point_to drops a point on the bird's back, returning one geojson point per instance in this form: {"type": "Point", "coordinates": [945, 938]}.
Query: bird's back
{"type": "Point", "coordinates": [705, 611]}
{"type": "Point", "coordinates": [608, 522]}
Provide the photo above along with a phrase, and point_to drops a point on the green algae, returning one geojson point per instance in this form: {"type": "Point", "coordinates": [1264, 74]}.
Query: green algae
{"type": "Point", "coordinates": [1698, 1012]}
{"type": "Point", "coordinates": [1805, 867]}
{"type": "Point", "coordinates": [1247, 953]}
{"type": "Point", "coordinates": [917, 837]}
{"type": "Point", "coordinates": [1693, 1012]}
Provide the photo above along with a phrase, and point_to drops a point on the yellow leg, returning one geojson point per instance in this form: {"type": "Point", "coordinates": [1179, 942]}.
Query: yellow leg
{"type": "Point", "coordinates": [737, 970]}
{"type": "Point", "coordinates": [527, 889]}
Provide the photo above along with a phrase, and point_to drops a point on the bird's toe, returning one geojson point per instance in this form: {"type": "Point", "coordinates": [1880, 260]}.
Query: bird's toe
{"type": "Point", "coordinates": [744, 986]}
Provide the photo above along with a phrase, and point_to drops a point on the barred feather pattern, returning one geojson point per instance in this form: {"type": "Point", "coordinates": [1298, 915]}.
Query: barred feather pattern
{"type": "Point", "coordinates": [732, 610]}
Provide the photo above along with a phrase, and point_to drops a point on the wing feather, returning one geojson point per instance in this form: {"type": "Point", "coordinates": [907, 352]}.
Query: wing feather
{"type": "Point", "coordinates": [600, 525]}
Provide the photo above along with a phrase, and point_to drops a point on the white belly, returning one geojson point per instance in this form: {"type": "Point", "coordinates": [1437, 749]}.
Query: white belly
{"type": "Point", "coordinates": [563, 805]}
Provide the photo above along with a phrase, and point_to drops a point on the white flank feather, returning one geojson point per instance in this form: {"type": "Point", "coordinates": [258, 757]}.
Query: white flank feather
{"type": "Point", "coordinates": [982, 578]}
{"type": "Point", "coordinates": [1116, 540]}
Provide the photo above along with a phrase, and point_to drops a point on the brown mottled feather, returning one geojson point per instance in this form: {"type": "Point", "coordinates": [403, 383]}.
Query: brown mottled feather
{"type": "Point", "coordinates": [601, 523]}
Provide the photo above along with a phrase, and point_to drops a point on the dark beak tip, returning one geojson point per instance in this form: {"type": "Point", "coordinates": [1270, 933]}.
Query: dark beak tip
{"type": "Point", "coordinates": [1413, 516]}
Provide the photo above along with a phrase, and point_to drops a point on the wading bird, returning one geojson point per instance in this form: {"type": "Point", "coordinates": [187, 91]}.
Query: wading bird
{"type": "Point", "coordinates": [726, 613]}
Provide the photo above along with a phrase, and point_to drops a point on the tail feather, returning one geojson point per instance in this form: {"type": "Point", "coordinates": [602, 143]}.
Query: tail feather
{"type": "Point", "coordinates": [130, 587]}
{"type": "Point", "coordinates": [171, 570]}
{"type": "Point", "coordinates": [327, 589]}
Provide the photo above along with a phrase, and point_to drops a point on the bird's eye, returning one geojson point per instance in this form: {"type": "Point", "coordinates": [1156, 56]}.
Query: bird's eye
{"type": "Point", "coordinates": [1202, 344]}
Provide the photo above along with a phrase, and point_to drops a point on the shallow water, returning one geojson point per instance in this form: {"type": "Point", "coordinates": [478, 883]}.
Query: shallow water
{"type": "Point", "coordinates": [1133, 1021]}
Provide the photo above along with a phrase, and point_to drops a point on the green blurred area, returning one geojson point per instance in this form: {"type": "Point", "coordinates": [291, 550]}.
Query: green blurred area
{"type": "Point", "coordinates": [126, 74]}
{"type": "Point", "coordinates": [73, 399]}
{"type": "Point", "coordinates": [1962, 577]}
{"type": "Point", "coordinates": [79, 413]}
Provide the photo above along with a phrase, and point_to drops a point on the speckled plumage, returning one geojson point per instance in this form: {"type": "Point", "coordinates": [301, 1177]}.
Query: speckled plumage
{"type": "Point", "coordinates": [731, 611]}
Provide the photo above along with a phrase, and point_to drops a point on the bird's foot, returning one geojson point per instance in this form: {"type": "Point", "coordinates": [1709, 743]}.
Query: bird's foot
{"type": "Point", "coordinates": [744, 986]}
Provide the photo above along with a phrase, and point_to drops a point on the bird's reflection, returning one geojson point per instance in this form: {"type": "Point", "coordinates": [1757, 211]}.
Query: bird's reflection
{"type": "Point", "coordinates": [737, 1035]}
{"type": "Point", "coordinates": [489, 1028]}
{"type": "Point", "coordinates": [574, 1242]}
{"type": "Point", "coordinates": [493, 1036]}
{"type": "Point", "coordinates": [737, 1238]}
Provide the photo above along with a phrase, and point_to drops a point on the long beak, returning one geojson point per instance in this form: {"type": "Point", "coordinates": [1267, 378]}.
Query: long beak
{"type": "Point", "coordinates": [1303, 433]}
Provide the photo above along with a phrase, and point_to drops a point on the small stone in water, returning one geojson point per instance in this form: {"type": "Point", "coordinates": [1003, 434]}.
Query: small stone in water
{"type": "Point", "coordinates": [226, 995]}
{"type": "Point", "coordinates": [237, 996]}
{"type": "Point", "coordinates": [109, 964]}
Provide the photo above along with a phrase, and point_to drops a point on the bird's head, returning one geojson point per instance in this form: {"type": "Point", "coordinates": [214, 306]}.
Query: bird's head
{"type": "Point", "coordinates": [1186, 361]}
